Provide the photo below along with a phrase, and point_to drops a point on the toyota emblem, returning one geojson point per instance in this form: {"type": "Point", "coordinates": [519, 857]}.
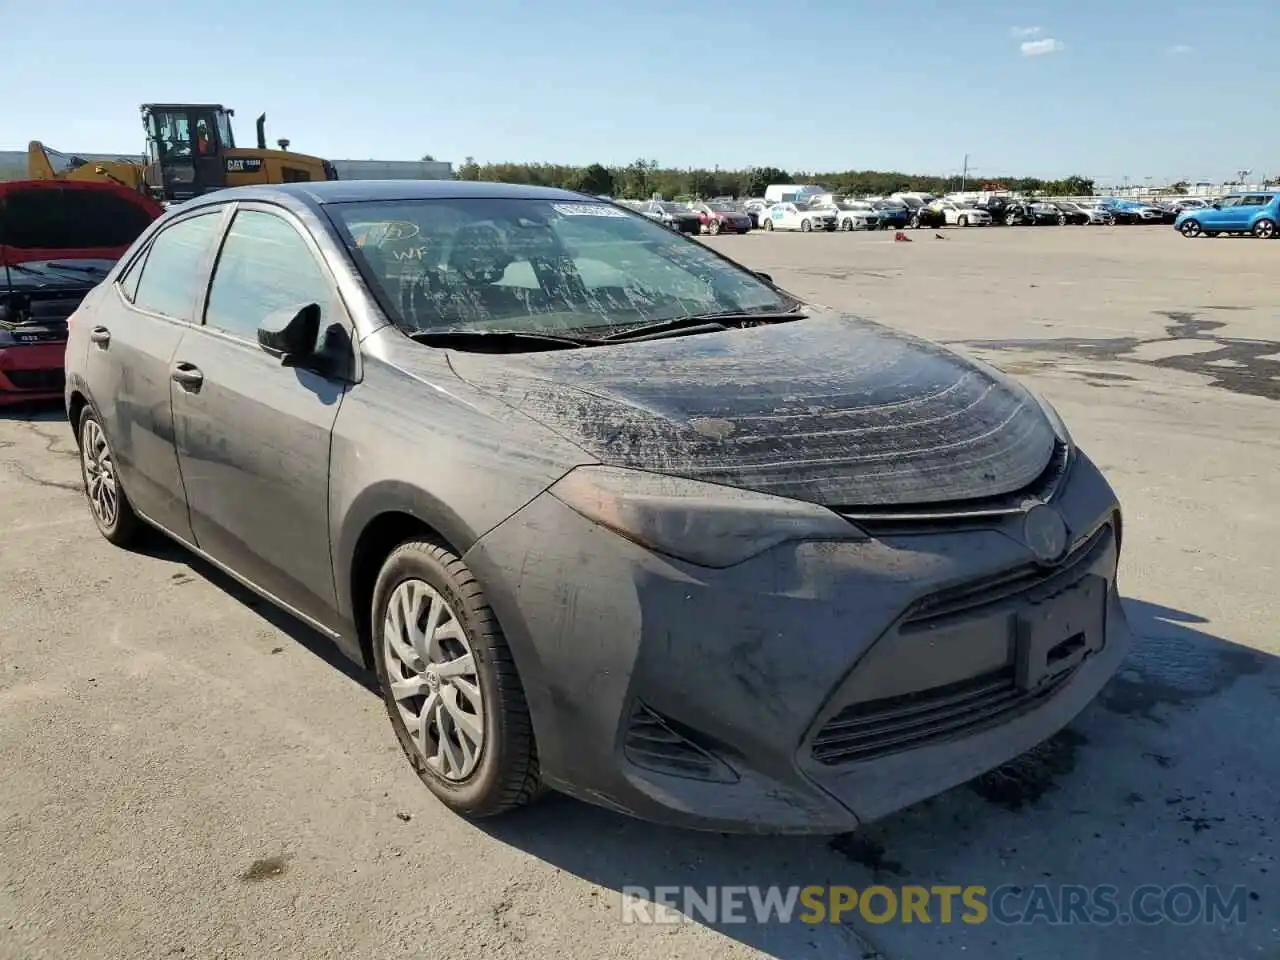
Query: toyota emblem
{"type": "Point", "coordinates": [1045, 533]}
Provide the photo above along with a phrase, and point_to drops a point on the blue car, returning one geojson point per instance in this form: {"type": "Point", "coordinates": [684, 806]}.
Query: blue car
{"type": "Point", "coordinates": [1256, 213]}
{"type": "Point", "coordinates": [892, 215]}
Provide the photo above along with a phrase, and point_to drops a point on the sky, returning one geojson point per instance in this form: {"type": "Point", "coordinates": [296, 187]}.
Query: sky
{"type": "Point", "coordinates": [1109, 89]}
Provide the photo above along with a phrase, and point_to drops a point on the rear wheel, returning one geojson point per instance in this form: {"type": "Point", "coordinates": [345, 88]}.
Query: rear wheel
{"type": "Point", "coordinates": [963, 222]}
{"type": "Point", "coordinates": [1190, 228]}
{"type": "Point", "coordinates": [768, 223]}
{"type": "Point", "coordinates": [713, 227]}
{"type": "Point", "coordinates": [449, 683]}
{"type": "Point", "coordinates": [1265, 229]}
{"type": "Point", "coordinates": [108, 504]}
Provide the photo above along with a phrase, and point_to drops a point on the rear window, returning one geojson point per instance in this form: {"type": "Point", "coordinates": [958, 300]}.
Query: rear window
{"type": "Point", "coordinates": [65, 218]}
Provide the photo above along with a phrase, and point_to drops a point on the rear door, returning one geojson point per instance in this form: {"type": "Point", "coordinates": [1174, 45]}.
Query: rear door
{"type": "Point", "coordinates": [133, 333]}
{"type": "Point", "coordinates": [252, 435]}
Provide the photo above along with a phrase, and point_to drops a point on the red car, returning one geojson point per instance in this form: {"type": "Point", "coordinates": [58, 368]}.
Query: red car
{"type": "Point", "coordinates": [58, 239]}
{"type": "Point", "coordinates": [720, 217]}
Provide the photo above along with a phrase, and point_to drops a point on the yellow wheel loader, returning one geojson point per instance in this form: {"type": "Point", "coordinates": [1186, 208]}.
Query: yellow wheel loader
{"type": "Point", "coordinates": [191, 149]}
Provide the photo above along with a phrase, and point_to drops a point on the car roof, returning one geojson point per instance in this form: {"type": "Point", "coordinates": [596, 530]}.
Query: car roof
{"type": "Point", "coordinates": [320, 192]}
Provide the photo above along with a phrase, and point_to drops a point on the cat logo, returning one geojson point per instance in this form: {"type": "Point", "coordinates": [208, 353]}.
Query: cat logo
{"type": "Point", "coordinates": [244, 164]}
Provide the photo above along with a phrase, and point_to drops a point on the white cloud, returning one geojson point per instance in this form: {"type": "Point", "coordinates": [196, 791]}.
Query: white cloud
{"type": "Point", "coordinates": [1025, 31]}
{"type": "Point", "coordinates": [1038, 48]}
{"type": "Point", "coordinates": [1178, 49]}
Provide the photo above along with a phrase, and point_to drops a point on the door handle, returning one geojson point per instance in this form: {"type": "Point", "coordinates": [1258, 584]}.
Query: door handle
{"type": "Point", "coordinates": [187, 375]}
{"type": "Point", "coordinates": [100, 335]}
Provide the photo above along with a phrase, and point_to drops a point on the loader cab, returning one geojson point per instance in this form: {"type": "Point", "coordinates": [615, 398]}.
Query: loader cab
{"type": "Point", "coordinates": [186, 148]}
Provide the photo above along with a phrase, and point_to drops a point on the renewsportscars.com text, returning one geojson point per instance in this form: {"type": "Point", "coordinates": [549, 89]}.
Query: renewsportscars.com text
{"type": "Point", "coordinates": [1064, 904]}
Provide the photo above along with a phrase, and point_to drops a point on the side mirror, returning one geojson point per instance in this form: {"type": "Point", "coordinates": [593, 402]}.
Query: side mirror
{"type": "Point", "coordinates": [1217, 206]}
{"type": "Point", "coordinates": [763, 276]}
{"type": "Point", "coordinates": [291, 333]}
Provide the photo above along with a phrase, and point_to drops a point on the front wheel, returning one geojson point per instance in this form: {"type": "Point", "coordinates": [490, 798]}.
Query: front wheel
{"type": "Point", "coordinates": [846, 225]}
{"type": "Point", "coordinates": [1062, 219]}
{"type": "Point", "coordinates": [1265, 229]}
{"type": "Point", "coordinates": [768, 224]}
{"type": "Point", "coordinates": [914, 222]}
{"type": "Point", "coordinates": [449, 683]}
{"type": "Point", "coordinates": [963, 222]}
{"type": "Point", "coordinates": [805, 226]}
{"type": "Point", "coordinates": [1190, 228]}
{"type": "Point", "coordinates": [713, 227]}
{"type": "Point", "coordinates": [110, 507]}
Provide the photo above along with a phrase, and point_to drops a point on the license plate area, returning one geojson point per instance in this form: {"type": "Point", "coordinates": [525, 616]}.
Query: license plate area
{"type": "Point", "coordinates": [1053, 636]}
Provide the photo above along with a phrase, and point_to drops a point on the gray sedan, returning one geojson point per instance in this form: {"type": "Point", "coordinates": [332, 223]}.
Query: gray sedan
{"type": "Point", "coordinates": [604, 511]}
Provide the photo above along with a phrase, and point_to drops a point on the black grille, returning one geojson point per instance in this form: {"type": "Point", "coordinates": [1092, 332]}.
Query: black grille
{"type": "Point", "coordinates": [36, 379]}
{"type": "Point", "coordinates": [864, 731]}
{"type": "Point", "coordinates": [653, 744]}
{"type": "Point", "coordinates": [1031, 580]}
{"type": "Point", "coordinates": [875, 728]}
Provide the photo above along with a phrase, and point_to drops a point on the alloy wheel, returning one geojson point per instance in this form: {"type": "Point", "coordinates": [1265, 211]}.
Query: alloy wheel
{"type": "Point", "coordinates": [1264, 229]}
{"type": "Point", "coordinates": [1190, 228]}
{"type": "Point", "coordinates": [433, 678]}
{"type": "Point", "coordinates": [101, 485]}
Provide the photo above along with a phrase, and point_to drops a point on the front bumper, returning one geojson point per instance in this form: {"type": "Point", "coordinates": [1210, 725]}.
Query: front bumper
{"type": "Point", "coordinates": [32, 372]}
{"type": "Point", "coordinates": [814, 687]}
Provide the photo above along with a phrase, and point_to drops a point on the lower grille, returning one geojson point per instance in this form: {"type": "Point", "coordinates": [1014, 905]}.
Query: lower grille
{"type": "Point", "coordinates": [653, 744]}
{"type": "Point", "coordinates": [36, 379]}
{"type": "Point", "coordinates": [864, 731]}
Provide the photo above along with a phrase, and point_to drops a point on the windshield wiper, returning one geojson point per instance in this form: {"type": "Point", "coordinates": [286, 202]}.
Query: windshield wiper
{"type": "Point", "coordinates": [499, 341]}
{"type": "Point", "coordinates": [700, 323]}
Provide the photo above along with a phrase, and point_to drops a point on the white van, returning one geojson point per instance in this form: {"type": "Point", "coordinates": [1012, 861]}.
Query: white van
{"type": "Point", "coordinates": [793, 192]}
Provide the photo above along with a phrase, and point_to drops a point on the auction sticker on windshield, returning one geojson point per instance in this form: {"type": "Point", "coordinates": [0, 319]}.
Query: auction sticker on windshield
{"type": "Point", "coordinates": [587, 210]}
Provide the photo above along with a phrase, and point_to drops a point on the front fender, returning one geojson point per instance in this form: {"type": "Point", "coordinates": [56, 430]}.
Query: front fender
{"type": "Point", "coordinates": [391, 496]}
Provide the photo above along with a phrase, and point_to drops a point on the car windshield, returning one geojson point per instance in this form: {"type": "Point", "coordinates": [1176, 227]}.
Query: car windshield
{"type": "Point", "coordinates": [722, 207]}
{"type": "Point", "coordinates": [540, 266]}
{"type": "Point", "coordinates": [672, 207]}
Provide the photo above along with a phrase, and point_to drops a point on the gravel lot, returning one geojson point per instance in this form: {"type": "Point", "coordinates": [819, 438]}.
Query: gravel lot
{"type": "Point", "coordinates": [188, 773]}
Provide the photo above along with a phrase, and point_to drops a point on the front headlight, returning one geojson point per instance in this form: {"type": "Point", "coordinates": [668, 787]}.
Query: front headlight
{"type": "Point", "coordinates": [703, 523]}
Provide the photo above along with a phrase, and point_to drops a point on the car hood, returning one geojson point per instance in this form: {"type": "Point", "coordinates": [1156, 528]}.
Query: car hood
{"type": "Point", "coordinates": [834, 409]}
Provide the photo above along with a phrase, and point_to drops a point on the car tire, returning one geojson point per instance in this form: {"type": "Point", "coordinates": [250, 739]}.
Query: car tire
{"type": "Point", "coordinates": [1265, 229]}
{"type": "Point", "coordinates": [914, 222]}
{"type": "Point", "coordinates": [805, 226]}
{"type": "Point", "coordinates": [109, 506]}
{"type": "Point", "coordinates": [1062, 219]}
{"type": "Point", "coordinates": [846, 225]}
{"type": "Point", "coordinates": [713, 227]}
{"type": "Point", "coordinates": [1190, 228]}
{"type": "Point", "coordinates": [962, 222]}
{"type": "Point", "coordinates": [768, 224]}
{"type": "Point", "coordinates": [500, 773]}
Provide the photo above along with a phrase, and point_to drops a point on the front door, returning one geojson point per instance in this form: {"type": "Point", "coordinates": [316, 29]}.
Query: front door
{"type": "Point", "coordinates": [132, 337]}
{"type": "Point", "coordinates": [252, 435]}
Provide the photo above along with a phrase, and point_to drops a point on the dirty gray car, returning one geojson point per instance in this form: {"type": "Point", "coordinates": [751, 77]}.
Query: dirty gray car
{"type": "Point", "coordinates": [606, 512]}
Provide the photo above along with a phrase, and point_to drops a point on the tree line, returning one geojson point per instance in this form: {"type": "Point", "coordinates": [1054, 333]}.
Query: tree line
{"type": "Point", "coordinates": [642, 179]}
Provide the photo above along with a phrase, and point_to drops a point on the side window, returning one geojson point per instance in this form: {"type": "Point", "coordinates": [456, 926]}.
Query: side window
{"type": "Point", "coordinates": [1255, 200]}
{"type": "Point", "coordinates": [173, 272]}
{"type": "Point", "coordinates": [1231, 201]}
{"type": "Point", "coordinates": [265, 265]}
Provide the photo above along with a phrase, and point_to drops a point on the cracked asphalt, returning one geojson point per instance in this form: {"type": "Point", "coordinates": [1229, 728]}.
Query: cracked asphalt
{"type": "Point", "coordinates": [188, 773]}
